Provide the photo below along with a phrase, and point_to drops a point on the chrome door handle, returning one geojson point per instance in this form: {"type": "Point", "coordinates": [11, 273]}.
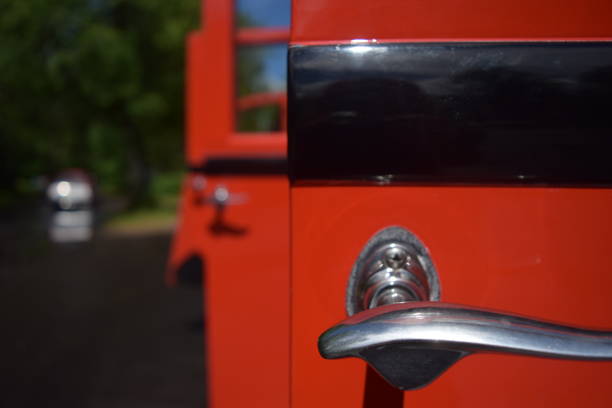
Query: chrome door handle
{"type": "Point", "coordinates": [399, 327]}
{"type": "Point", "coordinates": [222, 197]}
{"type": "Point", "coordinates": [411, 344]}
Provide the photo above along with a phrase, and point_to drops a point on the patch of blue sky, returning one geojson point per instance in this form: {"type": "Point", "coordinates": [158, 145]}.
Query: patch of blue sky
{"type": "Point", "coordinates": [266, 13]}
{"type": "Point", "coordinates": [275, 67]}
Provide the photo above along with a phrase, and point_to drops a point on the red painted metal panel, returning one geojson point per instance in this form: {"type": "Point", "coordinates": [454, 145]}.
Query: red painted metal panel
{"type": "Point", "coordinates": [245, 249]}
{"type": "Point", "coordinates": [542, 252]}
{"type": "Point", "coordinates": [211, 97]}
{"type": "Point", "coordinates": [255, 35]}
{"type": "Point", "coordinates": [245, 246]}
{"type": "Point", "coordinates": [344, 20]}
{"type": "Point", "coordinates": [246, 289]}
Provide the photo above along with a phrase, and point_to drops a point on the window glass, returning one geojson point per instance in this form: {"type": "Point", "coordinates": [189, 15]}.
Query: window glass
{"type": "Point", "coordinates": [259, 119]}
{"type": "Point", "coordinates": [260, 86]}
{"type": "Point", "coordinates": [263, 13]}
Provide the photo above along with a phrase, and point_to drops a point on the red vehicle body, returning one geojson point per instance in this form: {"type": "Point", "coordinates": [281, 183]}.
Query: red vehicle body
{"type": "Point", "coordinates": [248, 231]}
{"type": "Point", "coordinates": [478, 127]}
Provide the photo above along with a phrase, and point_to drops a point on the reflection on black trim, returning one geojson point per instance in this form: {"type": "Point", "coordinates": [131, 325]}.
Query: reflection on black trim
{"type": "Point", "coordinates": [452, 113]}
{"type": "Point", "coordinates": [253, 166]}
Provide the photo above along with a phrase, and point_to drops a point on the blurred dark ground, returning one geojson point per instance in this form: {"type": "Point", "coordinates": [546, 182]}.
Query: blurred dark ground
{"type": "Point", "coordinates": [91, 324]}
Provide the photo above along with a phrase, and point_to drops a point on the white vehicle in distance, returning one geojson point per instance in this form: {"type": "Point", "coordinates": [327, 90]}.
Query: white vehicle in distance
{"type": "Point", "coordinates": [71, 190]}
{"type": "Point", "coordinates": [72, 195]}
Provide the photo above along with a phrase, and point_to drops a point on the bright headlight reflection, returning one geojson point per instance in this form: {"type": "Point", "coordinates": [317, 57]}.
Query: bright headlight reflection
{"type": "Point", "coordinates": [63, 188]}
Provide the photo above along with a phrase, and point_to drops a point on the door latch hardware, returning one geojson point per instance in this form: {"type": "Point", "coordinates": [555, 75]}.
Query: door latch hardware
{"type": "Point", "coordinates": [394, 267]}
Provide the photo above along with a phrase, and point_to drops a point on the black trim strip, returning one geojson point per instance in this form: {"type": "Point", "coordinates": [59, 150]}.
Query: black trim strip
{"type": "Point", "coordinates": [451, 113]}
{"type": "Point", "coordinates": [248, 166]}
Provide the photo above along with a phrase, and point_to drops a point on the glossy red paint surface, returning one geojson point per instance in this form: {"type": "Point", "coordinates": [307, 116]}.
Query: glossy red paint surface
{"type": "Point", "coordinates": [246, 288]}
{"type": "Point", "coordinates": [211, 97]}
{"type": "Point", "coordinates": [538, 251]}
{"type": "Point", "coordinates": [245, 251]}
{"type": "Point", "coordinates": [253, 36]}
{"type": "Point", "coordinates": [211, 112]}
{"type": "Point", "coordinates": [245, 244]}
{"type": "Point", "coordinates": [431, 20]}
{"type": "Point", "coordinates": [542, 252]}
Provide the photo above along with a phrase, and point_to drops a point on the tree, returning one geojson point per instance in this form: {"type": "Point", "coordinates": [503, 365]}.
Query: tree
{"type": "Point", "coordinates": [96, 84]}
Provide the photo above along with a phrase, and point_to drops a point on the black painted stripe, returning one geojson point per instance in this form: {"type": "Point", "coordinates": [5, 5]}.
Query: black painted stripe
{"type": "Point", "coordinates": [247, 166]}
{"type": "Point", "coordinates": [484, 113]}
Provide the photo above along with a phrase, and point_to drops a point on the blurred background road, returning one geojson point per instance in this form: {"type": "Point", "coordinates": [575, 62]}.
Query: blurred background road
{"type": "Point", "coordinates": [92, 96]}
{"type": "Point", "coordinates": [91, 324]}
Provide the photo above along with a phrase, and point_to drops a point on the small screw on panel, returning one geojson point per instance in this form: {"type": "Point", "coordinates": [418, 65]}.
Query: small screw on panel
{"type": "Point", "coordinates": [395, 257]}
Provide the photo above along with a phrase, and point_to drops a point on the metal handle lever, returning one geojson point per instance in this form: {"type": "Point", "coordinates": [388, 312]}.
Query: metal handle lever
{"type": "Point", "coordinates": [411, 344]}
{"type": "Point", "coordinates": [222, 197]}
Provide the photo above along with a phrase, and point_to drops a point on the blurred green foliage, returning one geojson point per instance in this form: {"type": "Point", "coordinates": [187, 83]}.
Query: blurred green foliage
{"type": "Point", "coordinates": [94, 84]}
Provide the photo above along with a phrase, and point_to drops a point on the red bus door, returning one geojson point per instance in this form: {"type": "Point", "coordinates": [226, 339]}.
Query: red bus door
{"type": "Point", "coordinates": [450, 152]}
{"type": "Point", "coordinates": [234, 216]}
